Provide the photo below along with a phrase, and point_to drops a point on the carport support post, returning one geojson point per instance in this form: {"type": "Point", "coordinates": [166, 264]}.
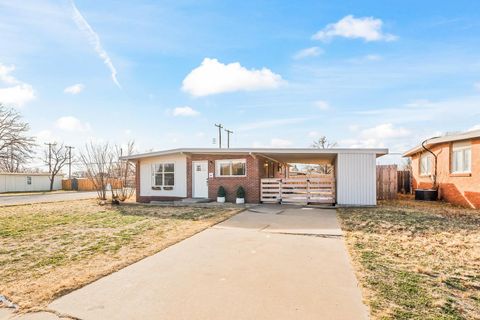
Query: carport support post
{"type": "Point", "coordinates": [280, 191]}
{"type": "Point", "coordinates": [308, 191]}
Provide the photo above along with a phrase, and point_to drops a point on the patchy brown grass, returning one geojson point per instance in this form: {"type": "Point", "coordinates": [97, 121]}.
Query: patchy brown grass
{"type": "Point", "coordinates": [416, 260]}
{"type": "Point", "coordinates": [47, 250]}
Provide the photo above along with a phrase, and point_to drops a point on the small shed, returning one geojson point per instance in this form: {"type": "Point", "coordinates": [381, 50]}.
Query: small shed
{"type": "Point", "coordinates": [25, 182]}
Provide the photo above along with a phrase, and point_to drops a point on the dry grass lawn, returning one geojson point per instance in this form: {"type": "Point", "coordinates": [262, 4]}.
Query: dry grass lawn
{"type": "Point", "coordinates": [416, 260]}
{"type": "Point", "coordinates": [47, 250]}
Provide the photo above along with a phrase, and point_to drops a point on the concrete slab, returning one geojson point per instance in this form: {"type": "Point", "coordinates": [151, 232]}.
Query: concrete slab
{"type": "Point", "coordinates": [36, 316]}
{"type": "Point", "coordinates": [6, 313]}
{"type": "Point", "coordinates": [306, 221]}
{"type": "Point", "coordinates": [236, 270]}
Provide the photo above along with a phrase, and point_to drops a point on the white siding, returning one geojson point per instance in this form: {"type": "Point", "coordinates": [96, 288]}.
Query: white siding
{"type": "Point", "coordinates": [356, 179]}
{"type": "Point", "coordinates": [180, 188]}
{"type": "Point", "coordinates": [17, 182]}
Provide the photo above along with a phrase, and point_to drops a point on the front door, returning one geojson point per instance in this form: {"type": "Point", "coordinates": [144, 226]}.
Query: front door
{"type": "Point", "coordinates": [200, 179]}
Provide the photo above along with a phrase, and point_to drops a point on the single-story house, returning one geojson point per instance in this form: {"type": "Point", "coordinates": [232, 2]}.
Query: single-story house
{"type": "Point", "coordinates": [24, 182]}
{"type": "Point", "coordinates": [199, 172]}
{"type": "Point", "coordinates": [458, 167]}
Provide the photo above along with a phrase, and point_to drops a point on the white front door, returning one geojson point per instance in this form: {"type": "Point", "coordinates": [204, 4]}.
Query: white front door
{"type": "Point", "coordinates": [200, 179]}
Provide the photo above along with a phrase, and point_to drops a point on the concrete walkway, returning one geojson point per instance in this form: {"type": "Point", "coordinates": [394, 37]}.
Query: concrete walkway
{"type": "Point", "coordinates": [256, 265]}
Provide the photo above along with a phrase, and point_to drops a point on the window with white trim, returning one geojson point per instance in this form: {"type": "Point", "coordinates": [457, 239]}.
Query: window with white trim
{"type": "Point", "coordinates": [163, 176]}
{"type": "Point", "coordinates": [461, 157]}
{"type": "Point", "coordinates": [231, 168]}
{"type": "Point", "coordinates": [426, 164]}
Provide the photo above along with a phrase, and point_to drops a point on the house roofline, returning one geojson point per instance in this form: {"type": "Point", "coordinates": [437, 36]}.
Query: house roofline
{"type": "Point", "coordinates": [447, 138]}
{"type": "Point", "coordinates": [238, 151]}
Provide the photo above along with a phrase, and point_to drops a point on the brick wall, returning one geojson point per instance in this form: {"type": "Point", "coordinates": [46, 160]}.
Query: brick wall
{"type": "Point", "coordinates": [461, 189]}
{"type": "Point", "coordinates": [251, 183]}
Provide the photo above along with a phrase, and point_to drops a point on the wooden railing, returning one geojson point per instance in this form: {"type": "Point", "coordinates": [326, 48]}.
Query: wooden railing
{"type": "Point", "coordinates": [298, 190]}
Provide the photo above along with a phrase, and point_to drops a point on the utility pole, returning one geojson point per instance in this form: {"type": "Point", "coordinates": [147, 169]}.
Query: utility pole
{"type": "Point", "coordinates": [228, 137]}
{"type": "Point", "coordinates": [69, 161]}
{"type": "Point", "coordinates": [50, 145]}
{"type": "Point", "coordinates": [219, 126]}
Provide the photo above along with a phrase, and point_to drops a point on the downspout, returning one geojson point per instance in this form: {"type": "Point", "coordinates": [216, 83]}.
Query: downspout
{"type": "Point", "coordinates": [435, 162]}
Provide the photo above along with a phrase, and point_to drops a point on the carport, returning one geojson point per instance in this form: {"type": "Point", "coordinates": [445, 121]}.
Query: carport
{"type": "Point", "coordinates": [351, 181]}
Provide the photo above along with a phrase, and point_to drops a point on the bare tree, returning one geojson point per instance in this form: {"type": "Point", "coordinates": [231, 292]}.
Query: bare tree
{"type": "Point", "coordinates": [97, 160]}
{"type": "Point", "coordinates": [16, 147]}
{"type": "Point", "coordinates": [56, 157]}
{"type": "Point", "coordinates": [323, 143]}
{"type": "Point", "coordinates": [124, 173]}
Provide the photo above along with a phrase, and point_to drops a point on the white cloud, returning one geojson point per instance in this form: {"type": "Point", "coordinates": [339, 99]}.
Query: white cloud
{"type": "Point", "coordinates": [94, 40]}
{"type": "Point", "coordinates": [17, 93]}
{"type": "Point", "coordinates": [322, 105]}
{"type": "Point", "coordinates": [69, 123]}
{"type": "Point", "coordinates": [74, 89]}
{"type": "Point", "coordinates": [308, 52]}
{"type": "Point", "coordinates": [313, 134]}
{"type": "Point", "coordinates": [367, 28]}
{"type": "Point", "coordinates": [44, 136]}
{"type": "Point", "coordinates": [475, 127]}
{"type": "Point", "coordinates": [213, 77]}
{"type": "Point", "coordinates": [379, 136]}
{"type": "Point", "coordinates": [185, 112]}
{"type": "Point", "coordinates": [5, 76]}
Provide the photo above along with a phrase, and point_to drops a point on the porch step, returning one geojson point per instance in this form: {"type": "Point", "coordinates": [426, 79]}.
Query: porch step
{"type": "Point", "coordinates": [194, 200]}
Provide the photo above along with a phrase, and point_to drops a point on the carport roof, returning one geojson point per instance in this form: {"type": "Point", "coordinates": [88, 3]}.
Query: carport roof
{"type": "Point", "coordinates": [300, 155]}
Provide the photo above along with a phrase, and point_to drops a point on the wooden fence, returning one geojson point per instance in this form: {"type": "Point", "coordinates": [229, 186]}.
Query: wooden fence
{"type": "Point", "coordinates": [404, 181]}
{"type": "Point", "coordinates": [301, 190]}
{"type": "Point", "coordinates": [84, 184]}
{"type": "Point", "coordinates": [387, 182]}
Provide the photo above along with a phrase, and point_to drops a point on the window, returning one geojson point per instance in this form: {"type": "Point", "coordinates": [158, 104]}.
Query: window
{"type": "Point", "coordinates": [163, 176]}
{"type": "Point", "coordinates": [231, 168]}
{"type": "Point", "coordinates": [425, 165]}
{"type": "Point", "coordinates": [29, 180]}
{"type": "Point", "coordinates": [461, 158]}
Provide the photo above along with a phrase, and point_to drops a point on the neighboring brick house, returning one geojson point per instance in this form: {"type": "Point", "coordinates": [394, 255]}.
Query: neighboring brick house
{"type": "Point", "coordinates": [199, 172]}
{"type": "Point", "coordinates": [458, 167]}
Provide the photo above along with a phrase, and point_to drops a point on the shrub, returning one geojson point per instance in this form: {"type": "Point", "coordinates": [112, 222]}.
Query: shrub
{"type": "Point", "coordinates": [221, 192]}
{"type": "Point", "coordinates": [240, 192]}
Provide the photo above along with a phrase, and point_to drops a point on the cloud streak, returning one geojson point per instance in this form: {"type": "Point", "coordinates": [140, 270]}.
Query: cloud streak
{"type": "Point", "coordinates": [94, 40]}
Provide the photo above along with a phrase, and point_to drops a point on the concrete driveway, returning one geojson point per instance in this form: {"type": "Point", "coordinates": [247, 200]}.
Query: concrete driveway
{"type": "Point", "coordinates": [257, 265]}
{"type": "Point", "coordinates": [6, 199]}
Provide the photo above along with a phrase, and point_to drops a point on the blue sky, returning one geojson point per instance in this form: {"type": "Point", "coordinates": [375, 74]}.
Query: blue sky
{"type": "Point", "coordinates": [277, 73]}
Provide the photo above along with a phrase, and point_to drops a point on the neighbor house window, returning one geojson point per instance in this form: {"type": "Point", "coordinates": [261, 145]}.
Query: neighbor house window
{"type": "Point", "coordinates": [29, 180]}
{"type": "Point", "coordinates": [231, 168]}
{"type": "Point", "coordinates": [425, 164]}
{"type": "Point", "coordinates": [461, 158]}
{"type": "Point", "coordinates": [163, 176]}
